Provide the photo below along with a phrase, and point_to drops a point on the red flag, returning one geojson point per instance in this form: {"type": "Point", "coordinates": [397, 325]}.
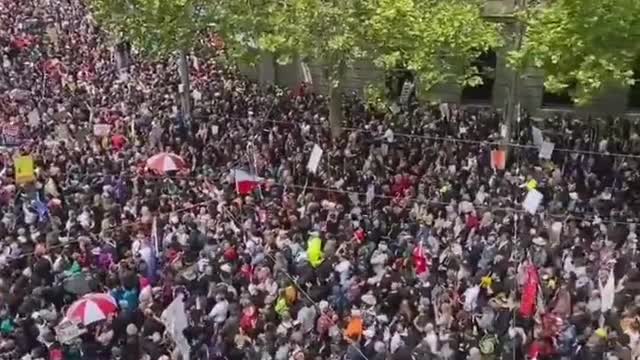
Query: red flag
{"type": "Point", "coordinates": [529, 293]}
{"type": "Point", "coordinates": [420, 260]}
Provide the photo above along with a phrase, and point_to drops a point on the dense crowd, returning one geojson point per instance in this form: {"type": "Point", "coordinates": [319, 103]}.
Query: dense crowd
{"type": "Point", "coordinates": [403, 244]}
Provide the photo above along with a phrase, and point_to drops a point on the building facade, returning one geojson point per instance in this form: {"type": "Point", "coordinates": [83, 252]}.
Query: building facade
{"type": "Point", "coordinates": [494, 92]}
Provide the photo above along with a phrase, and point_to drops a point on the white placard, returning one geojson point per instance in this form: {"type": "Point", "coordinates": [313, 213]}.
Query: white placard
{"type": "Point", "coordinates": [68, 331]}
{"type": "Point", "coordinates": [215, 130]}
{"type": "Point", "coordinates": [388, 135]}
{"type": "Point", "coordinates": [62, 132]}
{"type": "Point", "coordinates": [34, 118]}
{"type": "Point", "coordinates": [546, 149]}
{"type": "Point", "coordinates": [354, 198]}
{"type": "Point", "coordinates": [101, 130]}
{"type": "Point", "coordinates": [532, 201]}
{"type": "Point", "coordinates": [537, 136]}
{"type": "Point", "coordinates": [314, 159]}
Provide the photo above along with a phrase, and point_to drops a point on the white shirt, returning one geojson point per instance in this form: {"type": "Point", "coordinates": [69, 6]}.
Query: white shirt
{"type": "Point", "coordinates": [220, 311]}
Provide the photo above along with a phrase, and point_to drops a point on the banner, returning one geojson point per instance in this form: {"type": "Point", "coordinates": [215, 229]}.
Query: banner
{"type": "Point", "coordinates": [11, 135]}
{"type": "Point", "coordinates": [101, 130]}
{"type": "Point", "coordinates": [24, 169]}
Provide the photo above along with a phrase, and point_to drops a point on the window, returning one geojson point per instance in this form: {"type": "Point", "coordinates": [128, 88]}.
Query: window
{"type": "Point", "coordinates": [486, 64]}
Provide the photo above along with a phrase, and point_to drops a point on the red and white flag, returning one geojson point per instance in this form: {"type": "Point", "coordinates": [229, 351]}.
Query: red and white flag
{"type": "Point", "coordinates": [420, 261]}
{"type": "Point", "coordinates": [246, 183]}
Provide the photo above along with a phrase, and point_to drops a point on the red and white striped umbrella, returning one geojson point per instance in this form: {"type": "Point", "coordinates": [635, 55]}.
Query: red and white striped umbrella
{"type": "Point", "coordinates": [92, 308]}
{"type": "Point", "coordinates": [164, 162]}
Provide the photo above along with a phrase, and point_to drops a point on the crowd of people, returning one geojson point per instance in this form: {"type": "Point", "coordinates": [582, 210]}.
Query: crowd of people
{"type": "Point", "coordinates": [406, 241]}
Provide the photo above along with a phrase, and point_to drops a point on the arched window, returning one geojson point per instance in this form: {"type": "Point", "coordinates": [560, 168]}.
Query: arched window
{"type": "Point", "coordinates": [486, 64]}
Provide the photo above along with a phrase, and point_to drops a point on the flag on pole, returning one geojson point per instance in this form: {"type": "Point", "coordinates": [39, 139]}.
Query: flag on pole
{"type": "Point", "coordinates": [607, 293]}
{"type": "Point", "coordinates": [529, 293]}
{"type": "Point", "coordinates": [246, 183]}
{"type": "Point", "coordinates": [174, 318]}
{"type": "Point", "coordinates": [420, 259]}
{"type": "Point", "coordinates": [149, 252]}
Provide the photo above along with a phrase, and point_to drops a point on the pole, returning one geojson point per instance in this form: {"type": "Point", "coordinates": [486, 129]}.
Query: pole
{"type": "Point", "coordinates": [185, 91]}
{"type": "Point", "coordinates": [512, 112]}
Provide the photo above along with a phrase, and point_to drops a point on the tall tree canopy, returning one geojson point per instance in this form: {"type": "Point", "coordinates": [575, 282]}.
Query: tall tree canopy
{"type": "Point", "coordinates": [437, 39]}
{"type": "Point", "coordinates": [588, 43]}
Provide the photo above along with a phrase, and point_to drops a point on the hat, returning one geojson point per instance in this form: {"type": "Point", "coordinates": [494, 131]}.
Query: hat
{"type": "Point", "coordinates": [539, 241]}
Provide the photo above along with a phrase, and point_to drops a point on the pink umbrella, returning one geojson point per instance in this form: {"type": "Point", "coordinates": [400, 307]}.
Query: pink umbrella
{"type": "Point", "coordinates": [164, 162]}
{"type": "Point", "coordinates": [92, 308]}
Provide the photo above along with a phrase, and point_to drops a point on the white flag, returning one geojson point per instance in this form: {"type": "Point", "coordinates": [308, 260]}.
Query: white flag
{"type": "Point", "coordinates": [371, 193]}
{"type": "Point", "coordinates": [314, 159]}
{"type": "Point", "coordinates": [174, 319]}
{"type": "Point", "coordinates": [607, 293]}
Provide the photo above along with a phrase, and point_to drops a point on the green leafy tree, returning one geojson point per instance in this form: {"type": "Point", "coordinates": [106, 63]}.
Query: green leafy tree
{"type": "Point", "coordinates": [328, 32]}
{"type": "Point", "coordinates": [587, 43]}
{"type": "Point", "coordinates": [436, 39]}
{"type": "Point", "coordinates": [158, 28]}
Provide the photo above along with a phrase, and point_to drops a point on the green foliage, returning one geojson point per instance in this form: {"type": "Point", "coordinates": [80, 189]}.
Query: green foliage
{"type": "Point", "coordinates": [437, 39]}
{"type": "Point", "coordinates": [157, 27]}
{"type": "Point", "coordinates": [591, 43]}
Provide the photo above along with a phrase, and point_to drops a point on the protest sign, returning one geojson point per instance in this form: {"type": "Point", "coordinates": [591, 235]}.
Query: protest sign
{"type": "Point", "coordinates": [546, 150]}
{"type": "Point", "coordinates": [498, 159]}
{"type": "Point", "coordinates": [34, 118]}
{"type": "Point", "coordinates": [532, 201]}
{"type": "Point", "coordinates": [67, 331]}
{"type": "Point", "coordinates": [101, 130]}
{"type": "Point", "coordinates": [62, 132]}
{"type": "Point", "coordinates": [537, 136]}
{"type": "Point", "coordinates": [11, 134]}
{"type": "Point", "coordinates": [24, 169]}
{"type": "Point", "coordinates": [314, 159]}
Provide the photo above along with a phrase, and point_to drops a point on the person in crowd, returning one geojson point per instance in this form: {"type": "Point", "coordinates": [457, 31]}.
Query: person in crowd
{"type": "Point", "coordinates": [407, 241]}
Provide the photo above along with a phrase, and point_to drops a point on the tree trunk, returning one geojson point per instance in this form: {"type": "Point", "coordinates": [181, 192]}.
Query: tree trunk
{"type": "Point", "coordinates": [185, 85]}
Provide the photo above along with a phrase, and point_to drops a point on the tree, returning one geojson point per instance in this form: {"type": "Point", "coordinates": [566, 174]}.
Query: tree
{"type": "Point", "coordinates": [436, 39]}
{"type": "Point", "coordinates": [159, 28]}
{"type": "Point", "coordinates": [587, 43]}
{"type": "Point", "coordinates": [329, 32]}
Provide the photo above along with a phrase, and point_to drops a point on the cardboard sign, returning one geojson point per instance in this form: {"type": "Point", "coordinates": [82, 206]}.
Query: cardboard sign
{"type": "Point", "coordinates": [11, 134]}
{"type": "Point", "coordinates": [314, 159]}
{"type": "Point", "coordinates": [62, 132]}
{"type": "Point", "coordinates": [34, 118]}
{"type": "Point", "coordinates": [498, 159]}
{"type": "Point", "coordinates": [101, 130]}
{"type": "Point", "coordinates": [537, 136]}
{"type": "Point", "coordinates": [532, 201]}
{"type": "Point", "coordinates": [24, 169]}
{"type": "Point", "coordinates": [546, 150]}
{"type": "Point", "coordinates": [67, 331]}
